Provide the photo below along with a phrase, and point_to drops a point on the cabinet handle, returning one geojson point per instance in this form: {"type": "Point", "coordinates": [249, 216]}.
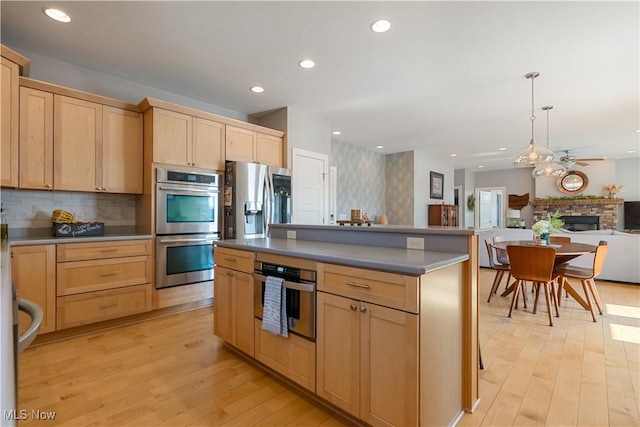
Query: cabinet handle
{"type": "Point", "coordinates": [363, 309]}
{"type": "Point", "coordinates": [230, 273]}
{"type": "Point", "coordinates": [105, 189]}
{"type": "Point", "coordinates": [109, 250]}
{"type": "Point", "coordinates": [111, 304]}
{"type": "Point", "coordinates": [98, 188]}
{"type": "Point", "coordinates": [49, 186]}
{"type": "Point", "coordinates": [110, 274]}
{"type": "Point", "coordinates": [353, 307]}
{"type": "Point", "coordinates": [358, 285]}
{"type": "Point", "coordinates": [230, 259]}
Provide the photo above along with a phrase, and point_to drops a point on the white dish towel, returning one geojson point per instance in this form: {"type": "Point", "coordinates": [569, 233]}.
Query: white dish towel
{"type": "Point", "coordinates": [274, 315]}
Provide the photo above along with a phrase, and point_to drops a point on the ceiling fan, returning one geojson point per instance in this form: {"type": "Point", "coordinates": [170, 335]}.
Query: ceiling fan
{"type": "Point", "coordinates": [569, 160]}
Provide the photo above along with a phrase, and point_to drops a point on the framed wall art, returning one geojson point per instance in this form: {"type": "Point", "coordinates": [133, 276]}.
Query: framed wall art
{"type": "Point", "coordinates": [436, 185]}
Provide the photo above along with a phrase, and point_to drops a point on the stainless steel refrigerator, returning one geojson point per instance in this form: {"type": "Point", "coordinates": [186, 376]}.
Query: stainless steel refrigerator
{"type": "Point", "coordinates": [255, 196]}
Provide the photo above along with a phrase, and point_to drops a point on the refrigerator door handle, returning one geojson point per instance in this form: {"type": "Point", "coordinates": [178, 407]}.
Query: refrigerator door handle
{"type": "Point", "coordinates": [268, 189]}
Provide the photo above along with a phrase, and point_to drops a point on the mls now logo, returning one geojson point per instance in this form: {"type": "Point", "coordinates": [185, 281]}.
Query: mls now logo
{"type": "Point", "coordinates": [23, 414]}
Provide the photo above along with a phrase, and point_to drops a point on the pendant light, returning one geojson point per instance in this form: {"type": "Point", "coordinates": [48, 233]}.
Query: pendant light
{"type": "Point", "coordinates": [550, 169]}
{"type": "Point", "coordinates": [533, 154]}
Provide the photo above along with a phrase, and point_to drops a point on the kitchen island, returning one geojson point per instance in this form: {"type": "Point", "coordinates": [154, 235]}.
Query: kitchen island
{"type": "Point", "coordinates": [396, 336]}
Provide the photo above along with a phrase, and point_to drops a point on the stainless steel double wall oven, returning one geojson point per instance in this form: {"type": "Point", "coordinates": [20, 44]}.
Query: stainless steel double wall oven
{"type": "Point", "coordinates": [187, 225]}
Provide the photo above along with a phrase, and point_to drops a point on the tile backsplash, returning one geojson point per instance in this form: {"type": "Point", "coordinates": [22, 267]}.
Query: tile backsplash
{"type": "Point", "coordinates": [32, 209]}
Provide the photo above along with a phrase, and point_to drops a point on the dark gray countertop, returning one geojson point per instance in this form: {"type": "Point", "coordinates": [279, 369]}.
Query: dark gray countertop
{"type": "Point", "coordinates": [41, 240]}
{"type": "Point", "coordinates": [407, 261]}
{"type": "Point", "coordinates": [400, 229]}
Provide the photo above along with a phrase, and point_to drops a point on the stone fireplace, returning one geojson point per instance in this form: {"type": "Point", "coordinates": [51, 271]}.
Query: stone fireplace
{"type": "Point", "coordinates": [605, 210]}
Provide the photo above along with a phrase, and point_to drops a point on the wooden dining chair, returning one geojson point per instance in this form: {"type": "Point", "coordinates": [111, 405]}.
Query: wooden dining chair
{"type": "Point", "coordinates": [559, 239]}
{"type": "Point", "coordinates": [586, 275]}
{"type": "Point", "coordinates": [498, 267]}
{"type": "Point", "coordinates": [535, 264]}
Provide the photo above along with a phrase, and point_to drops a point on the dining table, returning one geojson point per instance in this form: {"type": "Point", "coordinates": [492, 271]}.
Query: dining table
{"type": "Point", "coordinates": [565, 252]}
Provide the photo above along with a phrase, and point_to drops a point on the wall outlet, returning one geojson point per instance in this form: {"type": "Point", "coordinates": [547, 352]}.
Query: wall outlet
{"type": "Point", "coordinates": [415, 243]}
{"type": "Point", "coordinates": [291, 234]}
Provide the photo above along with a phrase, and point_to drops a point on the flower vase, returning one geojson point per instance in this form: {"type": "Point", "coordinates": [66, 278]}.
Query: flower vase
{"type": "Point", "coordinates": [544, 239]}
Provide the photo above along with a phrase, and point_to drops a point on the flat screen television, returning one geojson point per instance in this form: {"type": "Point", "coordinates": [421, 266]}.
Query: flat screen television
{"type": "Point", "coordinates": [632, 215]}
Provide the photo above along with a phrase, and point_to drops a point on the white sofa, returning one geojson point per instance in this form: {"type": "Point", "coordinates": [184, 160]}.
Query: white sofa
{"type": "Point", "coordinates": [623, 259]}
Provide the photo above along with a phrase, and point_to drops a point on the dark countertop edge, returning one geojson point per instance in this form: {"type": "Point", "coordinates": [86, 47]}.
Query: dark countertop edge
{"type": "Point", "coordinates": [456, 231]}
{"type": "Point", "coordinates": [353, 262]}
{"type": "Point", "coordinates": [27, 241]}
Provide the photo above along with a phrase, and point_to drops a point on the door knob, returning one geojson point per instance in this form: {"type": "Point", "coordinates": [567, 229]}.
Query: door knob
{"type": "Point", "coordinates": [363, 309]}
{"type": "Point", "coordinates": [353, 307]}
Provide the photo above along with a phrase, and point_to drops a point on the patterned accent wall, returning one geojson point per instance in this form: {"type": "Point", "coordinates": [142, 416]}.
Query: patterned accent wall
{"type": "Point", "coordinates": [361, 179]}
{"type": "Point", "coordinates": [399, 188]}
{"type": "Point", "coordinates": [32, 209]}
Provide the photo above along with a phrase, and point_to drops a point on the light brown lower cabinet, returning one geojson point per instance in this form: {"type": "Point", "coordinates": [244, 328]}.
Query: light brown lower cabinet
{"type": "Point", "coordinates": [368, 360]}
{"type": "Point", "coordinates": [233, 308]}
{"type": "Point", "coordinates": [99, 281]}
{"type": "Point", "coordinates": [293, 356]}
{"type": "Point", "coordinates": [90, 307]}
{"type": "Point", "coordinates": [33, 270]}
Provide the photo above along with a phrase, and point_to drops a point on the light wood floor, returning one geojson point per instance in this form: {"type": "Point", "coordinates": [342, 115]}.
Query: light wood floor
{"type": "Point", "coordinates": [172, 371]}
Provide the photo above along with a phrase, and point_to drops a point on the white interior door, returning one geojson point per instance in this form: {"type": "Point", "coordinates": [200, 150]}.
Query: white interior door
{"type": "Point", "coordinates": [310, 187]}
{"type": "Point", "coordinates": [490, 209]}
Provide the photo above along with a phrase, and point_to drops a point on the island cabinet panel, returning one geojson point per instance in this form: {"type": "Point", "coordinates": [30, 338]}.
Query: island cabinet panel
{"type": "Point", "coordinates": [36, 139]}
{"type": "Point", "coordinates": [33, 270]}
{"type": "Point", "coordinates": [233, 298]}
{"type": "Point", "coordinates": [368, 360]}
{"type": "Point", "coordinates": [233, 308]}
{"type": "Point", "coordinates": [386, 289]}
{"type": "Point", "coordinates": [294, 357]}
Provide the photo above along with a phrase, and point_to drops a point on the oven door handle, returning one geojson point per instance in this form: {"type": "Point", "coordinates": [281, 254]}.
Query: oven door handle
{"type": "Point", "coordinates": [191, 190]}
{"type": "Point", "coordinates": [186, 240]}
{"type": "Point", "coordinates": [304, 287]}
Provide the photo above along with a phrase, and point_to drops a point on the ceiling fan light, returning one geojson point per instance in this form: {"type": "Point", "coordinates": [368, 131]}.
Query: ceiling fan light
{"type": "Point", "coordinates": [551, 169]}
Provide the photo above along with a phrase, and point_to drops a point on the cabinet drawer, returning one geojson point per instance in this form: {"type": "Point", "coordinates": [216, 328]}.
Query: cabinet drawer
{"type": "Point", "coordinates": [234, 259]}
{"type": "Point", "coordinates": [386, 289]}
{"type": "Point", "coordinates": [96, 275]}
{"type": "Point", "coordinates": [90, 307]}
{"type": "Point", "coordinates": [103, 250]}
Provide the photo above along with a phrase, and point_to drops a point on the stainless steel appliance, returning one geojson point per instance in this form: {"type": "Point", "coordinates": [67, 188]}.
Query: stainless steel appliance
{"type": "Point", "coordinates": [255, 196]}
{"type": "Point", "coordinates": [187, 202]}
{"type": "Point", "coordinates": [300, 285]}
{"type": "Point", "coordinates": [184, 258]}
{"type": "Point", "coordinates": [187, 225]}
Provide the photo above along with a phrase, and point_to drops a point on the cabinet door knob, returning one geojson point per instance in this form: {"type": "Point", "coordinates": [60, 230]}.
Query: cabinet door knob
{"type": "Point", "coordinates": [363, 309]}
{"type": "Point", "coordinates": [353, 307]}
{"type": "Point", "coordinates": [230, 273]}
{"type": "Point", "coordinates": [49, 186]}
{"type": "Point", "coordinates": [105, 189]}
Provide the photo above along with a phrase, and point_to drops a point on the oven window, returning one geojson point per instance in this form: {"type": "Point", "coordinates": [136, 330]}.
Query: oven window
{"type": "Point", "coordinates": [184, 259]}
{"type": "Point", "coordinates": [190, 208]}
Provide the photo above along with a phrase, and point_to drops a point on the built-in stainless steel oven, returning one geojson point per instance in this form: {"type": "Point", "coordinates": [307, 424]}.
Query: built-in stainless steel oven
{"type": "Point", "coordinates": [187, 225]}
{"type": "Point", "coordinates": [184, 259]}
{"type": "Point", "coordinates": [187, 202]}
{"type": "Point", "coordinates": [300, 285]}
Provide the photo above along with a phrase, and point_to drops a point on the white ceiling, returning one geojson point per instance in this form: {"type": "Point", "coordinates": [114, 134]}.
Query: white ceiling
{"type": "Point", "coordinates": [447, 78]}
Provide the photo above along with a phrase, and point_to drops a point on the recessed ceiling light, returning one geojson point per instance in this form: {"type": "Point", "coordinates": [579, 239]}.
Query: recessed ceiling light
{"type": "Point", "coordinates": [637, 130]}
{"type": "Point", "coordinates": [380, 26]}
{"type": "Point", "coordinates": [379, 146]}
{"type": "Point", "coordinates": [307, 63]}
{"type": "Point", "coordinates": [336, 132]}
{"type": "Point", "coordinates": [630, 151]}
{"type": "Point", "coordinates": [502, 149]}
{"type": "Point", "coordinates": [56, 14]}
{"type": "Point", "coordinates": [257, 89]}
{"type": "Point", "coordinates": [480, 167]}
{"type": "Point", "coordinates": [453, 155]}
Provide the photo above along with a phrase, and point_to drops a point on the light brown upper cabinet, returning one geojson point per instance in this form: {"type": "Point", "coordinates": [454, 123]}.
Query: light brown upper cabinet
{"type": "Point", "coordinates": [36, 139]}
{"type": "Point", "coordinates": [11, 65]}
{"type": "Point", "coordinates": [121, 151]}
{"type": "Point", "coordinates": [77, 141]}
{"type": "Point", "coordinates": [244, 145]}
{"type": "Point", "coordinates": [184, 140]}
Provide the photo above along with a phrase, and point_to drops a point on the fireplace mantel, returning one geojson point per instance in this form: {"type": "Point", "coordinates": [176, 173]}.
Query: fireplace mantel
{"type": "Point", "coordinates": [605, 209]}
